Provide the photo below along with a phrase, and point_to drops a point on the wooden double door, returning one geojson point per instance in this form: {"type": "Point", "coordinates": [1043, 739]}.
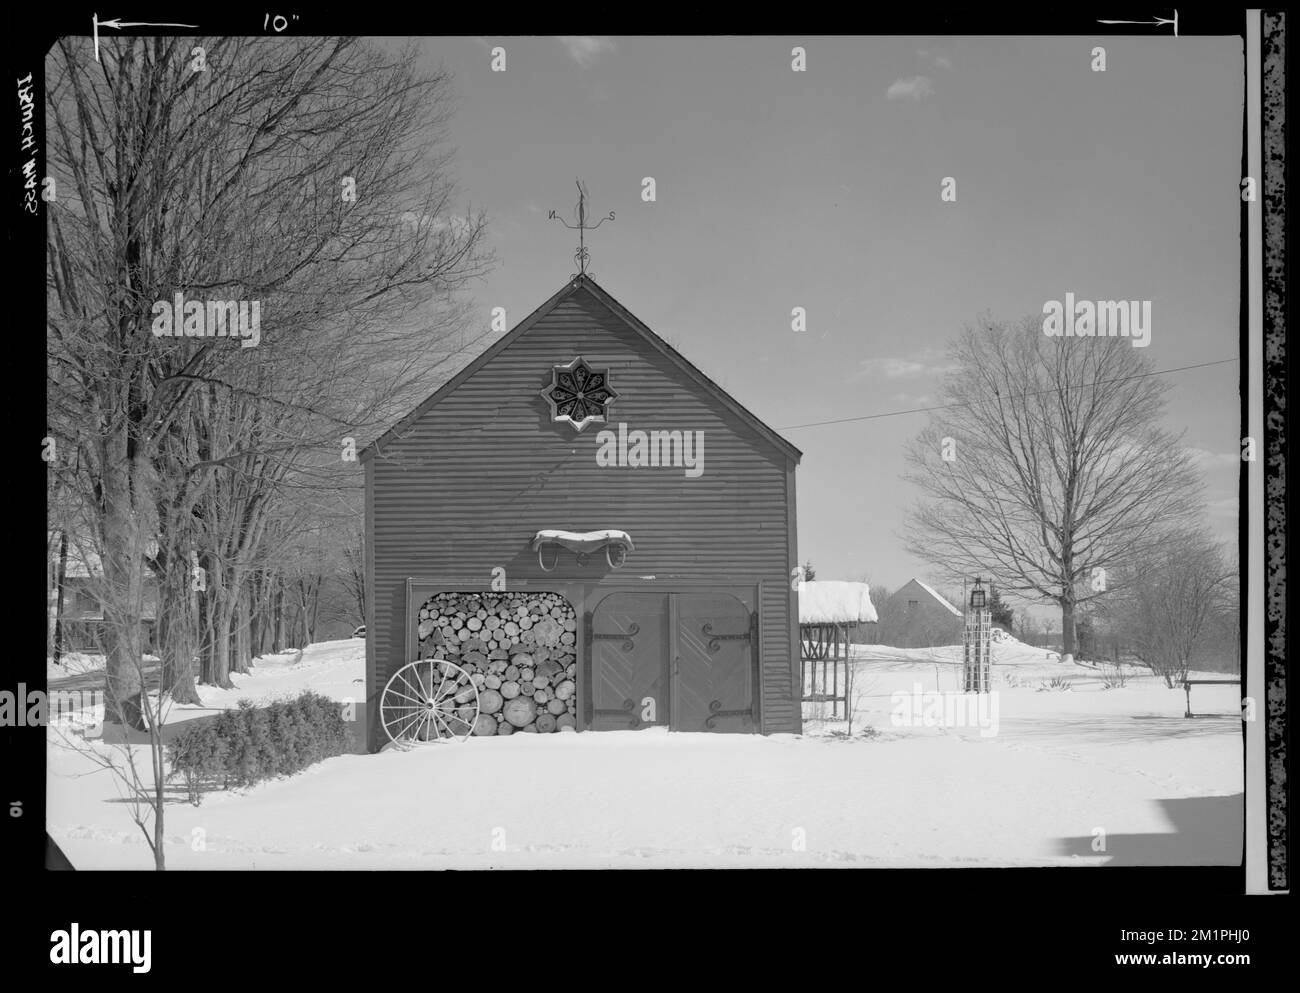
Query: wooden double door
{"type": "Point", "coordinates": [682, 660]}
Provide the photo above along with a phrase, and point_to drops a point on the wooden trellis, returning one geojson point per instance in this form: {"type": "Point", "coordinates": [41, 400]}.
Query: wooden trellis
{"type": "Point", "coordinates": [825, 646]}
{"type": "Point", "coordinates": [828, 614]}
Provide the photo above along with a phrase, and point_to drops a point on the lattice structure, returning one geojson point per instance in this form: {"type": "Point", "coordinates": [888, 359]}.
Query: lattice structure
{"type": "Point", "coordinates": [829, 646]}
{"type": "Point", "coordinates": [978, 647]}
{"type": "Point", "coordinates": [829, 613]}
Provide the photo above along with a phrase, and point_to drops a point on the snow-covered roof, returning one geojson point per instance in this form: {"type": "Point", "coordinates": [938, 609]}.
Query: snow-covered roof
{"type": "Point", "coordinates": [935, 593]}
{"type": "Point", "coordinates": [835, 602]}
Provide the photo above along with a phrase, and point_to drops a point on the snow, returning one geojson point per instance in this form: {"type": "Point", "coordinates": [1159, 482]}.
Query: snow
{"type": "Point", "coordinates": [73, 664]}
{"type": "Point", "coordinates": [335, 669]}
{"type": "Point", "coordinates": [1166, 790]}
{"type": "Point", "coordinates": [935, 593]}
{"type": "Point", "coordinates": [835, 602]}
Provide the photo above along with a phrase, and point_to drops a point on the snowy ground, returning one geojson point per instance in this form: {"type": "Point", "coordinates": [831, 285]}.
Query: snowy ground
{"type": "Point", "coordinates": [78, 664]}
{"type": "Point", "coordinates": [1063, 766]}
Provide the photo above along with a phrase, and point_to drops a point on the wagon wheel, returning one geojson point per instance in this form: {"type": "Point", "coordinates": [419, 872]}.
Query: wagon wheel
{"type": "Point", "coordinates": [429, 700]}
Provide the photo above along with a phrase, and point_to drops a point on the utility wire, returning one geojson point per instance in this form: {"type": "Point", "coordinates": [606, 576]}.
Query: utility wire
{"type": "Point", "coordinates": [1016, 396]}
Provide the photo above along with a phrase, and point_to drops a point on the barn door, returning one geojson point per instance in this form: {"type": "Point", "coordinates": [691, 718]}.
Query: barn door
{"type": "Point", "coordinates": [629, 640]}
{"type": "Point", "coordinates": [713, 666]}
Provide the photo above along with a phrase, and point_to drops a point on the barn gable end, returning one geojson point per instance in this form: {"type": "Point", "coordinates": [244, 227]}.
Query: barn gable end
{"type": "Point", "coordinates": [932, 621]}
{"type": "Point", "coordinates": [459, 488]}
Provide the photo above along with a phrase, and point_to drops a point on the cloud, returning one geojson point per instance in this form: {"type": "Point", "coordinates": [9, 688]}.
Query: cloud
{"type": "Point", "coordinates": [457, 225]}
{"type": "Point", "coordinates": [938, 60]}
{"type": "Point", "coordinates": [1206, 460]}
{"type": "Point", "coordinates": [585, 49]}
{"type": "Point", "coordinates": [912, 399]}
{"type": "Point", "coordinates": [916, 87]}
{"type": "Point", "coordinates": [926, 363]}
{"type": "Point", "coordinates": [1229, 507]}
{"type": "Point", "coordinates": [892, 368]}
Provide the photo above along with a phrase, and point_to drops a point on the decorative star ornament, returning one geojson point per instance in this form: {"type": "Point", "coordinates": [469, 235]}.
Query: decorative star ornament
{"type": "Point", "coordinates": [579, 394]}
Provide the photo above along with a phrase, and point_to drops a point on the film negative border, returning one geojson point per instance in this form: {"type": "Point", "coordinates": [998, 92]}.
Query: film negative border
{"type": "Point", "coordinates": [1273, 106]}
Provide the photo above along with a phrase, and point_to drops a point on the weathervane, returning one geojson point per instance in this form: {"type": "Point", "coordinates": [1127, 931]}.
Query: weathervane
{"type": "Point", "coordinates": [582, 254]}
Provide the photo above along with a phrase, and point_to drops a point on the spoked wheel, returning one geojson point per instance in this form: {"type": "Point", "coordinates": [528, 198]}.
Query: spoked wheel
{"type": "Point", "coordinates": [429, 700]}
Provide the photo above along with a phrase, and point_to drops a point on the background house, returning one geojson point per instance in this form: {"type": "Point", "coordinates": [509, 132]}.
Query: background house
{"type": "Point", "coordinates": [80, 616]}
{"type": "Point", "coordinates": [917, 615]}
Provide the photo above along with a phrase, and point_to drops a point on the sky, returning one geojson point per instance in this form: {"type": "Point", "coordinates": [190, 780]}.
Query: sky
{"type": "Point", "coordinates": [820, 189]}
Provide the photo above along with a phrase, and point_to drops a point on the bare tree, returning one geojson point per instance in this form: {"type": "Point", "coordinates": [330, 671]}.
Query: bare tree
{"type": "Point", "coordinates": [140, 780]}
{"type": "Point", "coordinates": [306, 176]}
{"type": "Point", "coordinates": [1030, 629]}
{"type": "Point", "coordinates": [1170, 599]}
{"type": "Point", "coordinates": [1048, 467]}
{"type": "Point", "coordinates": [354, 574]}
{"type": "Point", "coordinates": [858, 686]}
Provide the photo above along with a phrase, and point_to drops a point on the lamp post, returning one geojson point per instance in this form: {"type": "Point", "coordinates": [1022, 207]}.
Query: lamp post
{"type": "Point", "coordinates": [978, 642]}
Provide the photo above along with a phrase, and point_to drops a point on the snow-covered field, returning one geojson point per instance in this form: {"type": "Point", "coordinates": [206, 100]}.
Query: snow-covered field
{"type": "Point", "coordinates": [1065, 771]}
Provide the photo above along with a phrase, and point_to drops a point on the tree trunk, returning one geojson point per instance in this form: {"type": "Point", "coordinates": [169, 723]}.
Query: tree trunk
{"type": "Point", "coordinates": [59, 579]}
{"type": "Point", "coordinates": [241, 656]}
{"type": "Point", "coordinates": [277, 615]}
{"type": "Point", "coordinates": [123, 592]}
{"type": "Point", "coordinates": [255, 615]}
{"type": "Point", "coordinates": [221, 650]}
{"type": "Point", "coordinates": [158, 757]}
{"type": "Point", "coordinates": [204, 618]}
{"type": "Point", "coordinates": [176, 649]}
{"type": "Point", "coordinates": [176, 632]}
{"type": "Point", "coordinates": [215, 604]}
{"type": "Point", "coordinates": [159, 852]}
{"type": "Point", "coordinates": [1067, 625]}
{"type": "Point", "coordinates": [313, 612]}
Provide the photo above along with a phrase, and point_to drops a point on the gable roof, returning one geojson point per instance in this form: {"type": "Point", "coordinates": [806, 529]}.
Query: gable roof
{"type": "Point", "coordinates": [584, 281]}
{"type": "Point", "coordinates": [835, 602]}
{"type": "Point", "coordinates": [939, 598]}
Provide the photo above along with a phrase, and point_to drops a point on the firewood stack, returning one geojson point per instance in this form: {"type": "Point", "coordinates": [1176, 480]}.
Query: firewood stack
{"type": "Point", "coordinates": [518, 648]}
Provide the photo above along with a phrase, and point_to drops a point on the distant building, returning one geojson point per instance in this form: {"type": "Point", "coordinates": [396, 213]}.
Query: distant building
{"type": "Point", "coordinates": [919, 616]}
{"type": "Point", "coordinates": [81, 616]}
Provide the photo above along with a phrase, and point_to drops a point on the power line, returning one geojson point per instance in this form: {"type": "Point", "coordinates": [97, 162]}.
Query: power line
{"type": "Point", "coordinates": [1017, 396]}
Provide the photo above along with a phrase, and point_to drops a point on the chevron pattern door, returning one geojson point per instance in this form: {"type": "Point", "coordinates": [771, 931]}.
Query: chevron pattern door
{"type": "Point", "coordinates": [629, 654]}
{"type": "Point", "coordinates": [713, 664]}
{"type": "Point", "coordinates": [685, 660]}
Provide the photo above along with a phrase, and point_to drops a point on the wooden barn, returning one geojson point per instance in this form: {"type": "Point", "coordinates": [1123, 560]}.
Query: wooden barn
{"type": "Point", "coordinates": [921, 617]}
{"type": "Point", "coordinates": [582, 493]}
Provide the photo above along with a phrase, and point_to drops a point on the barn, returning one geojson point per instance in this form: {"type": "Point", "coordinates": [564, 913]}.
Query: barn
{"type": "Point", "coordinates": [921, 617]}
{"type": "Point", "coordinates": [583, 507]}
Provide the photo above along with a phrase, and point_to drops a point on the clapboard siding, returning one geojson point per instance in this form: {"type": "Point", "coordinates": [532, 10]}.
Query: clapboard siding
{"type": "Point", "coordinates": [461, 487]}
